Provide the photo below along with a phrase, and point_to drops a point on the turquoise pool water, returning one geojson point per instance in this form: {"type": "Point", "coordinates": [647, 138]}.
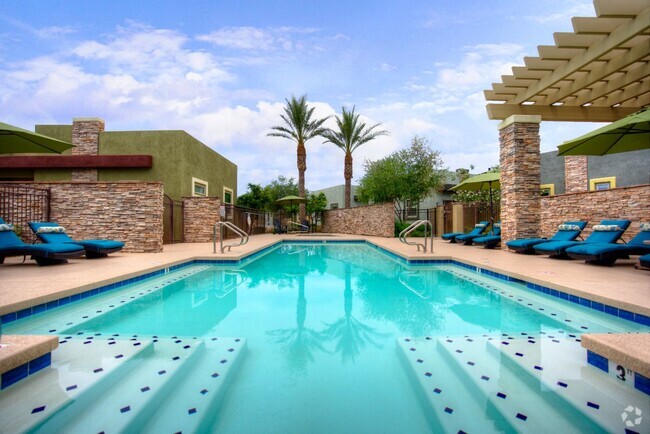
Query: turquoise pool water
{"type": "Point", "coordinates": [322, 325]}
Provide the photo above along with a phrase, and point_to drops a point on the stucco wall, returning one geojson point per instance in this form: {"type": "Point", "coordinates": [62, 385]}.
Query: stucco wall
{"type": "Point", "coordinates": [127, 211]}
{"type": "Point", "coordinates": [631, 203]}
{"type": "Point", "coordinates": [371, 220]}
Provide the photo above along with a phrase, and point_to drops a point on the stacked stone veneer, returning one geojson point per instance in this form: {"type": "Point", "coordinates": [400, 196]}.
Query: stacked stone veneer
{"type": "Point", "coordinates": [627, 203]}
{"type": "Point", "coordinates": [199, 217]}
{"type": "Point", "coordinates": [576, 176]}
{"type": "Point", "coordinates": [129, 211]}
{"type": "Point", "coordinates": [85, 138]}
{"type": "Point", "coordinates": [520, 177]}
{"type": "Point", "coordinates": [371, 220]}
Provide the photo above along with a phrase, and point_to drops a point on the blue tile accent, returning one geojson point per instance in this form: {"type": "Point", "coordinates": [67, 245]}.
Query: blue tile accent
{"type": "Point", "coordinates": [642, 383]}
{"type": "Point", "coordinates": [39, 363]}
{"type": "Point", "coordinates": [597, 360]}
{"type": "Point", "coordinates": [625, 314]}
{"type": "Point", "coordinates": [14, 375]}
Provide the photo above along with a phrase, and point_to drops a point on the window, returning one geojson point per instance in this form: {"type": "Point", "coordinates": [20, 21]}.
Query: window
{"type": "Point", "coordinates": [334, 206]}
{"type": "Point", "coordinates": [547, 189]}
{"type": "Point", "coordinates": [602, 183]}
{"type": "Point", "coordinates": [411, 209]}
{"type": "Point", "coordinates": [199, 187]}
{"type": "Point", "coordinates": [227, 195]}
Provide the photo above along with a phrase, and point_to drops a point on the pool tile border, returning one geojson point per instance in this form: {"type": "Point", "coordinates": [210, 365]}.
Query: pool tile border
{"type": "Point", "coordinates": [611, 310]}
{"type": "Point", "coordinates": [639, 381]}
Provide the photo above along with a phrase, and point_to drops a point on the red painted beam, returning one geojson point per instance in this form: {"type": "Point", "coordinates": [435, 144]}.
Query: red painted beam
{"type": "Point", "coordinates": [77, 162]}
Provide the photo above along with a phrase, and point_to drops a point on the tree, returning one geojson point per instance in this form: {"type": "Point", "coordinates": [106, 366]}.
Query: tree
{"type": "Point", "coordinates": [263, 198]}
{"type": "Point", "coordinates": [299, 127]}
{"type": "Point", "coordinates": [254, 198]}
{"type": "Point", "coordinates": [406, 175]}
{"type": "Point", "coordinates": [350, 135]}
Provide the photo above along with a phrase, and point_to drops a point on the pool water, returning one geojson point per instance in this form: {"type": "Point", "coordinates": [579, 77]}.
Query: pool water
{"type": "Point", "coordinates": [324, 328]}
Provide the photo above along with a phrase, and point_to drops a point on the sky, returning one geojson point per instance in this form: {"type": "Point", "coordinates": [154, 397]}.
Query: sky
{"type": "Point", "coordinates": [222, 69]}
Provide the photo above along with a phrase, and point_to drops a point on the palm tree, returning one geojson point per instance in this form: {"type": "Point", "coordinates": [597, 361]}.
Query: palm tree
{"type": "Point", "coordinates": [350, 135]}
{"type": "Point", "coordinates": [299, 127]}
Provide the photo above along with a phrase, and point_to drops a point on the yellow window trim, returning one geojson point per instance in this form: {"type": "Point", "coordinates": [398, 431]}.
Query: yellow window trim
{"type": "Point", "coordinates": [232, 196]}
{"type": "Point", "coordinates": [550, 187]}
{"type": "Point", "coordinates": [594, 181]}
{"type": "Point", "coordinates": [196, 181]}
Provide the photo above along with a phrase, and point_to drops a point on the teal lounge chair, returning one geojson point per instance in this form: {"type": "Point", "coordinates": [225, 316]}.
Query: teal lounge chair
{"type": "Point", "coordinates": [467, 239]}
{"type": "Point", "coordinates": [608, 231]}
{"type": "Point", "coordinates": [478, 230]}
{"type": "Point", "coordinates": [490, 241]}
{"type": "Point", "coordinates": [50, 232]}
{"type": "Point", "coordinates": [568, 231]}
{"type": "Point", "coordinates": [608, 253]}
{"type": "Point", "coordinates": [645, 260]}
{"type": "Point", "coordinates": [43, 254]}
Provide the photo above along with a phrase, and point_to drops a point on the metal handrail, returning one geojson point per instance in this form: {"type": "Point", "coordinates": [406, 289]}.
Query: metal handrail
{"type": "Point", "coordinates": [413, 226]}
{"type": "Point", "coordinates": [243, 236]}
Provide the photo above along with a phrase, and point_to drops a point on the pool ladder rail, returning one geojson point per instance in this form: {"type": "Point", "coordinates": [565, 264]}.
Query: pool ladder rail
{"type": "Point", "coordinates": [413, 226]}
{"type": "Point", "coordinates": [243, 236]}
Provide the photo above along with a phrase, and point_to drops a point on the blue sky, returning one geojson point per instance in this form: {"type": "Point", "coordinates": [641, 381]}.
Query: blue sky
{"type": "Point", "coordinates": [221, 70]}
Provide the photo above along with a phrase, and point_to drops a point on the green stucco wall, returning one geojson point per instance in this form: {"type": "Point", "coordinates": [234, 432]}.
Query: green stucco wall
{"type": "Point", "coordinates": [177, 158]}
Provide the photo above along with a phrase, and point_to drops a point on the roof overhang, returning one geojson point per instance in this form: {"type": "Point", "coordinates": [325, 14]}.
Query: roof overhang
{"type": "Point", "coordinates": [77, 162]}
{"type": "Point", "coordinates": [598, 73]}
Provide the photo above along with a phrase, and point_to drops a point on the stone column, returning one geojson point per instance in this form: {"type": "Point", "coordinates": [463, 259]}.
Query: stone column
{"type": "Point", "coordinates": [85, 138]}
{"type": "Point", "coordinates": [199, 217]}
{"type": "Point", "coordinates": [520, 177]}
{"type": "Point", "coordinates": [576, 177]}
{"type": "Point", "coordinates": [457, 218]}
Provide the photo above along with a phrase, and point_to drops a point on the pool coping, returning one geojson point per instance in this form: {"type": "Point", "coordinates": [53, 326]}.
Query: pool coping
{"type": "Point", "coordinates": [558, 291]}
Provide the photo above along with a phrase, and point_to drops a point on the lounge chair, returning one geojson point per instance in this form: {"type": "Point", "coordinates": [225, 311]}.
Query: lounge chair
{"type": "Point", "coordinates": [607, 254]}
{"type": "Point", "coordinates": [43, 254]}
{"type": "Point", "coordinates": [490, 241]}
{"type": "Point", "coordinates": [568, 231]}
{"type": "Point", "coordinates": [302, 227]}
{"type": "Point", "coordinates": [608, 231]}
{"type": "Point", "coordinates": [467, 239]}
{"type": "Point", "coordinates": [645, 260]}
{"type": "Point", "coordinates": [50, 232]}
{"type": "Point", "coordinates": [478, 230]}
{"type": "Point", "coordinates": [278, 227]}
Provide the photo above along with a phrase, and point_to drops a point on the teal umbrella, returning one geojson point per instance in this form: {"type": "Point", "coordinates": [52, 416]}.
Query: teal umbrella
{"type": "Point", "coordinates": [14, 140]}
{"type": "Point", "coordinates": [632, 133]}
{"type": "Point", "coordinates": [485, 181]}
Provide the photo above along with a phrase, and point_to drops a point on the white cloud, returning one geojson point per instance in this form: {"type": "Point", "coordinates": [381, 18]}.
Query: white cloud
{"type": "Point", "coordinates": [257, 39]}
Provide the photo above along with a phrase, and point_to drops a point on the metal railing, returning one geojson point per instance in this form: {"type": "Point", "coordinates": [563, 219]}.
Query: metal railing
{"type": "Point", "coordinates": [243, 236]}
{"type": "Point", "coordinates": [413, 226]}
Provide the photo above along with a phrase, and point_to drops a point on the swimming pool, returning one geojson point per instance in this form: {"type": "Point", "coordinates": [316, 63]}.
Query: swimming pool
{"type": "Point", "coordinates": [320, 338]}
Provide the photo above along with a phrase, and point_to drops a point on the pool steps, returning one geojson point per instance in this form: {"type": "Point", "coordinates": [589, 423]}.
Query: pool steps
{"type": "Point", "coordinates": [129, 392]}
{"type": "Point", "coordinates": [570, 389]}
{"type": "Point", "coordinates": [74, 370]}
{"type": "Point", "coordinates": [569, 367]}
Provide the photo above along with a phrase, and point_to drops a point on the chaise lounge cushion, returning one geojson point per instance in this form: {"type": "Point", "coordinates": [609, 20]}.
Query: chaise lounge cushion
{"type": "Point", "coordinates": [567, 231]}
{"type": "Point", "coordinates": [50, 232]}
{"type": "Point", "coordinates": [608, 253]}
{"type": "Point", "coordinates": [478, 230]}
{"type": "Point", "coordinates": [606, 235]}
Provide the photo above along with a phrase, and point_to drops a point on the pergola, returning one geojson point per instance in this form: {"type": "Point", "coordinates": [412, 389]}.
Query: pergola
{"type": "Point", "coordinates": [598, 73]}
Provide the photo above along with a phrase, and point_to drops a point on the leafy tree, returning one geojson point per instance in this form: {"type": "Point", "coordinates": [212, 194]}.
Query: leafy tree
{"type": "Point", "coordinates": [255, 197]}
{"type": "Point", "coordinates": [299, 127]}
{"type": "Point", "coordinates": [317, 203]}
{"type": "Point", "coordinates": [351, 134]}
{"type": "Point", "coordinates": [406, 175]}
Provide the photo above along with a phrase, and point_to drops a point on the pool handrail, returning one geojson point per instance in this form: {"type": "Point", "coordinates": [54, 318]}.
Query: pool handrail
{"type": "Point", "coordinates": [243, 236]}
{"type": "Point", "coordinates": [416, 224]}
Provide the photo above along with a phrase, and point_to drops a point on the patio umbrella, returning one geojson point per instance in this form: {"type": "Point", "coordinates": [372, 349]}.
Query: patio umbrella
{"type": "Point", "coordinates": [485, 181]}
{"type": "Point", "coordinates": [632, 133]}
{"type": "Point", "coordinates": [14, 140]}
{"type": "Point", "coordinates": [291, 200]}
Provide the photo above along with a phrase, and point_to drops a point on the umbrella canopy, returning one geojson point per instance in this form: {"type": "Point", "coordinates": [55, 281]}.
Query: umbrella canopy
{"type": "Point", "coordinates": [485, 181]}
{"type": "Point", "coordinates": [291, 200]}
{"type": "Point", "coordinates": [632, 133]}
{"type": "Point", "coordinates": [14, 140]}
